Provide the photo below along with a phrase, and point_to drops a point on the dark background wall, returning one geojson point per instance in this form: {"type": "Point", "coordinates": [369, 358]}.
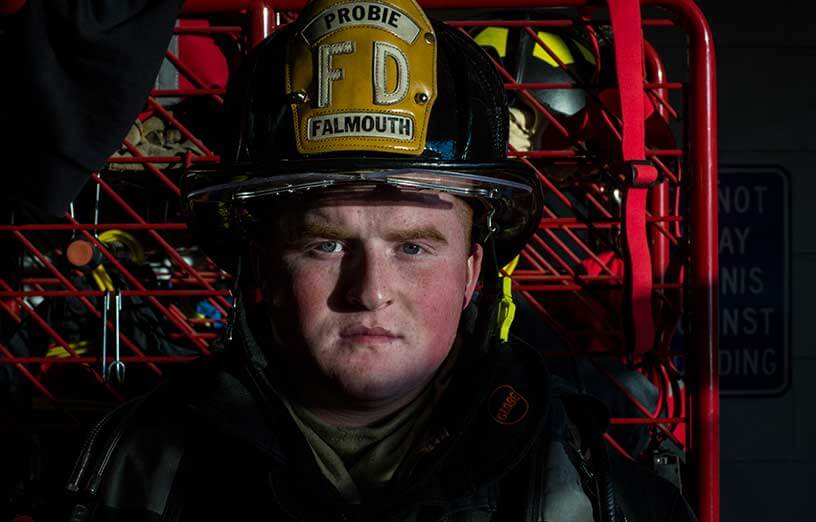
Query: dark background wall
{"type": "Point", "coordinates": [766, 56]}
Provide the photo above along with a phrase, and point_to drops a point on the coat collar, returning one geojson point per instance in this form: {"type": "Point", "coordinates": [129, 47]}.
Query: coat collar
{"type": "Point", "coordinates": [491, 415]}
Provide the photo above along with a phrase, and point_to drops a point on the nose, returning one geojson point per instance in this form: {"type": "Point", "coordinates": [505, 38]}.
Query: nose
{"type": "Point", "coordinates": [369, 281]}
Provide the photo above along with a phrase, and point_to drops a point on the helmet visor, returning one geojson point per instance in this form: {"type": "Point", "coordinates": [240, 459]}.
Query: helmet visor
{"type": "Point", "coordinates": [466, 185]}
{"type": "Point", "coordinates": [505, 196]}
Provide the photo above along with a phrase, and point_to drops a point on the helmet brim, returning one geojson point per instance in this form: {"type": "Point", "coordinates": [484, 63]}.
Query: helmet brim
{"type": "Point", "coordinates": [223, 205]}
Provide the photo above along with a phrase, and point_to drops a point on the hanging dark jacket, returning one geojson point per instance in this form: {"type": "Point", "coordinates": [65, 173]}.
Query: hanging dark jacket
{"type": "Point", "coordinates": [75, 76]}
{"type": "Point", "coordinates": [215, 443]}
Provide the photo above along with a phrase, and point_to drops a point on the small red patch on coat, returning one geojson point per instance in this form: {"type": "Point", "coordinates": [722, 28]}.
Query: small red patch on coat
{"type": "Point", "coordinates": [507, 406]}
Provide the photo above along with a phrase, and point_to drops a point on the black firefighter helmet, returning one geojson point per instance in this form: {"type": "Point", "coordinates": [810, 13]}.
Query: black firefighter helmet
{"type": "Point", "coordinates": [369, 93]}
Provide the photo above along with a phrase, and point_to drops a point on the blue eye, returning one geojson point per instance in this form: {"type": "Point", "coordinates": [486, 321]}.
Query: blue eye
{"type": "Point", "coordinates": [329, 247]}
{"type": "Point", "coordinates": [411, 249]}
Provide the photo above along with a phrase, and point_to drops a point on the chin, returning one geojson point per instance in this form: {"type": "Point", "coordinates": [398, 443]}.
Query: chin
{"type": "Point", "coordinates": [376, 385]}
{"type": "Point", "coordinates": [380, 374]}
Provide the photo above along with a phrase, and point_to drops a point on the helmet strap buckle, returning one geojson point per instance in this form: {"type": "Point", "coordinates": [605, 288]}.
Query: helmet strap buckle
{"type": "Point", "coordinates": [491, 226]}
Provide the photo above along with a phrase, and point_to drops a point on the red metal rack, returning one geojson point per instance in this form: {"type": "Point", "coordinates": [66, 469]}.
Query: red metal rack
{"type": "Point", "coordinates": [565, 273]}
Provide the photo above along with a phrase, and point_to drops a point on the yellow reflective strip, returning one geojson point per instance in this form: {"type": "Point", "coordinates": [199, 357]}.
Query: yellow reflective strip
{"type": "Point", "coordinates": [57, 352]}
{"type": "Point", "coordinates": [586, 53]}
{"type": "Point", "coordinates": [103, 279]}
{"type": "Point", "coordinates": [107, 279]}
{"type": "Point", "coordinates": [136, 250]}
{"type": "Point", "coordinates": [495, 37]}
{"type": "Point", "coordinates": [509, 267]}
{"type": "Point", "coordinates": [507, 309]}
{"type": "Point", "coordinates": [98, 279]}
{"type": "Point", "coordinates": [61, 353]}
{"type": "Point", "coordinates": [557, 45]}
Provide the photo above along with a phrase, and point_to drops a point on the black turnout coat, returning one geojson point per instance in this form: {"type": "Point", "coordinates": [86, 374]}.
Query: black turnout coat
{"type": "Point", "coordinates": [215, 443]}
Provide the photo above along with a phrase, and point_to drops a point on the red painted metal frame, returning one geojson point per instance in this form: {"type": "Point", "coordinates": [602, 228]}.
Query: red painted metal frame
{"type": "Point", "coordinates": [549, 263]}
{"type": "Point", "coordinates": [704, 261]}
{"type": "Point", "coordinates": [702, 226]}
{"type": "Point", "coordinates": [10, 7]}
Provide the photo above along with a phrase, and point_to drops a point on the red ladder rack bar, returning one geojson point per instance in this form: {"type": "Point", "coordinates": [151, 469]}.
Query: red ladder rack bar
{"type": "Point", "coordinates": [221, 6]}
{"type": "Point", "coordinates": [704, 261]}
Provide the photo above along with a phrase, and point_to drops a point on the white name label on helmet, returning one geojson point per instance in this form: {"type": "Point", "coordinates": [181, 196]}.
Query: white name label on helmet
{"type": "Point", "coordinates": [371, 14]}
{"type": "Point", "coordinates": [365, 124]}
{"type": "Point", "coordinates": [382, 53]}
{"type": "Point", "coordinates": [327, 73]}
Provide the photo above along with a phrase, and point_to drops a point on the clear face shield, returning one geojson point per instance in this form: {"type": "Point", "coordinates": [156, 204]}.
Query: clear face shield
{"type": "Point", "coordinates": [465, 185]}
{"type": "Point", "coordinates": [505, 202]}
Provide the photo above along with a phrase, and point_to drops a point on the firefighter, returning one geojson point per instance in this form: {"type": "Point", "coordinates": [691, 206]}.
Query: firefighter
{"type": "Point", "coordinates": [364, 195]}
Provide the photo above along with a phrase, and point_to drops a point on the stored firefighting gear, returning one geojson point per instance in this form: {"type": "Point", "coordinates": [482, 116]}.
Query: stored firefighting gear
{"type": "Point", "coordinates": [540, 59]}
{"type": "Point", "coordinates": [552, 56]}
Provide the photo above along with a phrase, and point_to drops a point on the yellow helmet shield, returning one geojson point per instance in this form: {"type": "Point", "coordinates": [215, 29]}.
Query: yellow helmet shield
{"type": "Point", "coordinates": [361, 76]}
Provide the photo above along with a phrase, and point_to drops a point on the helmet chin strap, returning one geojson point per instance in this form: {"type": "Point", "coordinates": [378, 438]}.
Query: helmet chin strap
{"type": "Point", "coordinates": [251, 327]}
{"type": "Point", "coordinates": [485, 333]}
{"type": "Point", "coordinates": [236, 299]}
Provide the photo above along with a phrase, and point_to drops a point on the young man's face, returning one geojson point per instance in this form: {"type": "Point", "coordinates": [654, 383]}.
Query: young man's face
{"type": "Point", "coordinates": [375, 286]}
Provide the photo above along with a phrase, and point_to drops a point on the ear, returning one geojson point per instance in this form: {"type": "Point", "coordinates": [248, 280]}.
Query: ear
{"type": "Point", "coordinates": [474, 268]}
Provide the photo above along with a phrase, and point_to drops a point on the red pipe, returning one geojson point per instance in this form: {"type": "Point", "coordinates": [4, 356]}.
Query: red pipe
{"type": "Point", "coordinates": [10, 7]}
{"type": "Point", "coordinates": [659, 195]}
{"type": "Point", "coordinates": [612, 442]}
{"type": "Point", "coordinates": [152, 168]}
{"type": "Point", "coordinates": [10, 359]}
{"type": "Point", "coordinates": [190, 75]}
{"type": "Point", "coordinates": [163, 93]}
{"type": "Point", "coordinates": [152, 359]}
{"type": "Point", "coordinates": [639, 421]}
{"type": "Point", "coordinates": [101, 226]}
{"type": "Point", "coordinates": [704, 262]}
{"type": "Point", "coordinates": [167, 159]}
{"type": "Point", "coordinates": [125, 293]}
{"type": "Point", "coordinates": [214, 6]}
{"type": "Point", "coordinates": [169, 118]}
{"type": "Point", "coordinates": [233, 31]}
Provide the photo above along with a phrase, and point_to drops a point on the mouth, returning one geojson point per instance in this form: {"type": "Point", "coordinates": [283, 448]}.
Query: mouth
{"type": "Point", "coordinates": [360, 334]}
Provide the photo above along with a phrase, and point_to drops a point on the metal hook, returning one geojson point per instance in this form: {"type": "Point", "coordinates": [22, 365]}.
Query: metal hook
{"type": "Point", "coordinates": [97, 204]}
{"type": "Point", "coordinates": [105, 306]}
{"type": "Point", "coordinates": [236, 293]}
{"type": "Point", "coordinates": [73, 216]}
{"type": "Point", "coordinates": [117, 367]}
{"type": "Point", "coordinates": [233, 318]}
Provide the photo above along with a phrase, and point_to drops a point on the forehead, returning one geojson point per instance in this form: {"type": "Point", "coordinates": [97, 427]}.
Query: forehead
{"type": "Point", "coordinates": [388, 205]}
{"type": "Point", "coordinates": [375, 209]}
